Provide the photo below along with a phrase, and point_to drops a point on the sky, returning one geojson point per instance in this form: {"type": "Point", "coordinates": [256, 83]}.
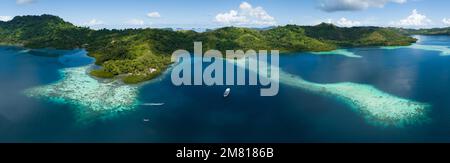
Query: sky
{"type": "Point", "coordinates": [246, 13]}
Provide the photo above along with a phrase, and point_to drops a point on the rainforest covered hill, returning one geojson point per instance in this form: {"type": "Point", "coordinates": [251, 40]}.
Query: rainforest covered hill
{"type": "Point", "coordinates": [131, 53]}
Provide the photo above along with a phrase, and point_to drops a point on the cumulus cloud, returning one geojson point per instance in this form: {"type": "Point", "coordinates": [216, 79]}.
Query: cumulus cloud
{"type": "Point", "coordinates": [24, 2]}
{"type": "Point", "coordinates": [353, 5]}
{"type": "Point", "coordinates": [231, 17]}
{"type": "Point", "coordinates": [154, 15]}
{"type": "Point", "coordinates": [5, 18]}
{"type": "Point", "coordinates": [446, 21]}
{"type": "Point", "coordinates": [94, 22]}
{"type": "Point", "coordinates": [135, 22]}
{"type": "Point", "coordinates": [415, 19]}
{"type": "Point", "coordinates": [344, 22]}
{"type": "Point", "coordinates": [246, 15]}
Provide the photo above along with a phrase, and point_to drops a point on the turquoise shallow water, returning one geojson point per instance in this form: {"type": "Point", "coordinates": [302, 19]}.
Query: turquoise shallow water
{"type": "Point", "coordinates": [88, 95]}
{"type": "Point", "coordinates": [323, 98]}
{"type": "Point", "coordinates": [343, 52]}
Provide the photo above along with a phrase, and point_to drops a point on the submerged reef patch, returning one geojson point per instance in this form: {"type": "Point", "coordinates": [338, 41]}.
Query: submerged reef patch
{"type": "Point", "coordinates": [343, 52]}
{"type": "Point", "coordinates": [377, 107]}
{"type": "Point", "coordinates": [91, 97]}
{"type": "Point", "coordinates": [445, 50]}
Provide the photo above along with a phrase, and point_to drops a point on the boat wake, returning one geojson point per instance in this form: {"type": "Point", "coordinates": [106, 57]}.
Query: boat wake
{"type": "Point", "coordinates": [152, 104]}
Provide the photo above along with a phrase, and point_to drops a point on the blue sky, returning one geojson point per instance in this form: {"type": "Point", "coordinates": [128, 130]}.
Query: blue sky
{"type": "Point", "coordinates": [217, 13]}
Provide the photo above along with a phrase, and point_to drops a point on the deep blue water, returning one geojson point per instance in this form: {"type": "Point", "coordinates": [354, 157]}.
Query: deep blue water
{"type": "Point", "coordinates": [201, 114]}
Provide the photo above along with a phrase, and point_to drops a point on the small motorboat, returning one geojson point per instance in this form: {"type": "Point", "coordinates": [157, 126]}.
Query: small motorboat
{"type": "Point", "coordinates": [146, 120]}
{"type": "Point", "coordinates": [227, 92]}
{"type": "Point", "coordinates": [153, 104]}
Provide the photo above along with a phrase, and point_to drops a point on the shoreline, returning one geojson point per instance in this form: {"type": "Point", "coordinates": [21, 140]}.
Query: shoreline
{"type": "Point", "coordinates": [81, 90]}
{"type": "Point", "coordinates": [139, 79]}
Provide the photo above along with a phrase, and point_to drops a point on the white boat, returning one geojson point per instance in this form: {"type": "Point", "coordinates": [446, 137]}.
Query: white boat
{"type": "Point", "coordinates": [227, 92]}
{"type": "Point", "coordinates": [146, 120]}
{"type": "Point", "coordinates": [152, 104]}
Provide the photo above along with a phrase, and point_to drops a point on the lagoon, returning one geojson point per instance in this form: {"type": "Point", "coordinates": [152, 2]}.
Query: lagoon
{"type": "Point", "coordinates": [37, 104]}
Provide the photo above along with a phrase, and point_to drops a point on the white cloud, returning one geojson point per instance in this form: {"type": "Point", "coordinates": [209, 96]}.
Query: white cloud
{"type": "Point", "coordinates": [446, 21]}
{"type": "Point", "coordinates": [353, 5]}
{"type": "Point", "coordinates": [344, 22]}
{"type": "Point", "coordinates": [415, 19]}
{"type": "Point", "coordinates": [94, 22]}
{"type": "Point", "coordinates": [24, 2]}
{"type": "Point", "coordinates": [231, 17]}
{"type": "Point", "coordinates": [135, 22]}
{"type": "Point", "coordinates": [246, 15]}
{"type": "Point", "coordinates": [5, 18]}
{"type": "Point", "coordinates": [154, 15]}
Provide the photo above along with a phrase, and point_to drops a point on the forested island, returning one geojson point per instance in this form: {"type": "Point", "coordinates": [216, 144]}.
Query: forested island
{"type": "Point", "coordinates": [432, 31]}
{"type": "Point", "coordinates": [141, 54]}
